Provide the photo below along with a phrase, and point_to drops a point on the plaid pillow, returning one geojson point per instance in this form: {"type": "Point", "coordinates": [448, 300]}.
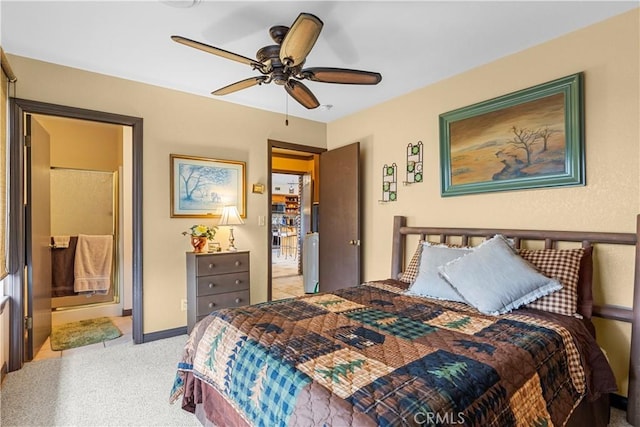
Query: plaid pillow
{"type": "Point", "coordinates": [560, 264]}
{"type": "Point", "coordinates": [411, 272]}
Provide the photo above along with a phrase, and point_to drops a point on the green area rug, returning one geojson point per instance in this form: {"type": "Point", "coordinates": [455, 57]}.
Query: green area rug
{"type": "Point", "coordinates": [84, 332]}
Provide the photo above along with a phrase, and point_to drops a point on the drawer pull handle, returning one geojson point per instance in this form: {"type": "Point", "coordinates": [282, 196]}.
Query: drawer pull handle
{"type": "Point", "coordinates": [238, 300]}
{"type": "Point", "coordinates": [211, 285]}
{"type": "Point", "coordinates": [210, 266]}
{"type": "Point", "coordinates": [211, 305]}
{"type": "Point", "coordinates": [237, 281]}
{"type": "Point", "coordinates": [237, 263]}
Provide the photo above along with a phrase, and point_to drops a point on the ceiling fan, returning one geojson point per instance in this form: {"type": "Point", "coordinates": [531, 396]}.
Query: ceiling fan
{"type": "Point", "coordinates": [282, 63]}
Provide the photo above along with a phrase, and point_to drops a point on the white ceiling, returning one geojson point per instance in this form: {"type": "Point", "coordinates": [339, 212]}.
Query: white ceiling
{"type": "Point", "coordinates": [412, 44]}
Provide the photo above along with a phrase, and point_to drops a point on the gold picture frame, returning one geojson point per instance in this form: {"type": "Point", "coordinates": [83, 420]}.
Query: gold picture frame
{"type": "Point", "coordinates": [201, 187]}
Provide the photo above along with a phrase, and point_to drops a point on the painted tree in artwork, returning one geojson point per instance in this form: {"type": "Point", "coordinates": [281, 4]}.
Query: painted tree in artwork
{"type": "Point", "coordinates": [524, 139]}
{"type": "Point", "coordinates": [545, 134]}
{"type": "Point", "coordinates": [197, 178]}
{"type": "Point", "coordinates": [191, 179]}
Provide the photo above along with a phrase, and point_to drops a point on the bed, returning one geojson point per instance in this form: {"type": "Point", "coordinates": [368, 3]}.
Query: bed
{"type": "Point", "coordinates": [377, 354]}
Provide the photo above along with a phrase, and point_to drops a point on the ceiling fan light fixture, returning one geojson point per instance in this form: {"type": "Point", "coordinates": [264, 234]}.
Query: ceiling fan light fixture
{"type": "Point", "coordinates": [300, 39]}
{"type": "Point", "coordinates": [282, 63]}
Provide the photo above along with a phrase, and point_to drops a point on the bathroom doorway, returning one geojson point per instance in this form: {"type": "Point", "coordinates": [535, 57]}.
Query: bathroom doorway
{"type": "Point", "coordinates": [84, 170]}
{"type": "Point", "coordinates": [31, 306]}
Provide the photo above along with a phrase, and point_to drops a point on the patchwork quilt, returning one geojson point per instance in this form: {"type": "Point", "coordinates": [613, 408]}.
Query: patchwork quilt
{"type": "Point", "coordinates": [371, 355]}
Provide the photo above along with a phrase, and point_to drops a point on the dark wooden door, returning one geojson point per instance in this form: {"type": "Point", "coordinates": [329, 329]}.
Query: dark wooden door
{"type": "Point", "coordinates": [38, 220]}
{"type": "Point", "coordinates": [339, 218]}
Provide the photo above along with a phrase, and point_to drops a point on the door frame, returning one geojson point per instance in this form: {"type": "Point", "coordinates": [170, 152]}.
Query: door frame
{"type": "Point", "coordinates": [17, 244]}
{"type": "Point", "coordinates": [271, 144]}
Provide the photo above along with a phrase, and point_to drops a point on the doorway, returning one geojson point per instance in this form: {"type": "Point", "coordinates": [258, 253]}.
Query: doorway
{"type": "Point", "coordinates": [20, 287]}
{"type": "Point", "coordinates": [288, 228]}
{"type": "Point", "coordinates": [337, 197]}
{"type": "Point", "coordinates": [293, 192]}
{"type": "Point", "coordinates": [86, 220]}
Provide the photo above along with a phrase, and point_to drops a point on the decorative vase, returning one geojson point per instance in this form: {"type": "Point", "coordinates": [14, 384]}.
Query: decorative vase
{"type": "Point", "coordinates": [199, 244]}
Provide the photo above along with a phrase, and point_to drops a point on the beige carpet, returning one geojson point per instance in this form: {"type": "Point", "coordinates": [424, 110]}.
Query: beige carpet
{"type": "Point", "coordinates": [123, 385]}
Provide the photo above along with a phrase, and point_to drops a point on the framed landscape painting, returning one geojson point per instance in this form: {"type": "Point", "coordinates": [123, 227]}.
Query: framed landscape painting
{"type": "Point", "coordinates": [201, 187]}
{"type": "Point", "coordinates": [527, 139]}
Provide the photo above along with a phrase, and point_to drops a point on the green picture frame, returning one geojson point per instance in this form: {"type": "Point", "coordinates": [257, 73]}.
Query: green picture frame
{"type": "Point", "coordinates": [531, 138]}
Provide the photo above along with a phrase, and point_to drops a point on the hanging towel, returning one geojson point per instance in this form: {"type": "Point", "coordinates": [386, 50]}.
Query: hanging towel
{"type": "Point", "coordinates": [92, 267]}
{"type": "Point", "coordinates": [62, 267]}
{"type": "Point", "coordinates": [61, 241]}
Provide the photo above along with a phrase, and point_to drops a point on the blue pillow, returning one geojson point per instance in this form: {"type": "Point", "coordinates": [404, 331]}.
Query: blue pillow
{"type": "Point", "coordinates": [428, 282]}
{"type": "Point", "coordinates": [495, 279]}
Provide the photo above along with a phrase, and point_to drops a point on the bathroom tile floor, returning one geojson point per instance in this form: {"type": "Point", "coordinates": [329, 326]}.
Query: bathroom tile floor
{"type": "Point", "coordinates": [122, 323]}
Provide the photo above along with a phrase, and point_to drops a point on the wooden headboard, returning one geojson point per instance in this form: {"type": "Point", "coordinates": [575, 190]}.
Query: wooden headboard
{"type": "Point", "coordinates": [550, 239]}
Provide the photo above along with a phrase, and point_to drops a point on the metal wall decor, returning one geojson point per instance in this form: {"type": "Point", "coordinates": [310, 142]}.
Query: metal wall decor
{"type": "Point", "coordinates": [389, 183]}
{"type": "Point", "coordinates": [414, 163]}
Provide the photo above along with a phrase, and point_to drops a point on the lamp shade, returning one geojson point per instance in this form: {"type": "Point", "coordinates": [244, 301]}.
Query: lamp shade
{"type": "Point", "coordinates": [230, 216]}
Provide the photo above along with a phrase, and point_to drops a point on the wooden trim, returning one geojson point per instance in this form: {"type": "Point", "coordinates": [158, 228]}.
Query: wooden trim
{"type": "Point", "coordinates": [291, 146]}
{"type": "Point", "coordinates": [398, 246]}
{"type": "Point", "coordinates": [633, 408]}
{"type": "Point", "coordinates": [18, 107]}
{"type": "Point", "coordinates": [550, 238]}
{"type": "Point", "coordinates": [6, 67]}
{"type": "Point", "coordinates": [167, 333]}
{"type": "Point", "coordinates": [613, 312]}
{"type": "Point", "coordinates": [556, 236]}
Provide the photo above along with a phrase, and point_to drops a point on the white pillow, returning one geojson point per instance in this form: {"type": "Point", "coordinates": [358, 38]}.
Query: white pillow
{"type": "Point", "coordinates": [428, 282]}
{"type": "Point", "coordinates": [495, 279]}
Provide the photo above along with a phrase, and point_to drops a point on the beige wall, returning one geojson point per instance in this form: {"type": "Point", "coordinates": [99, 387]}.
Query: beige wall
{"type": "Point", "coordinates": [180, 123]}
{"type": "Point", "coordinates": [80, 144]}
{"type": "Point", "coordinates": [608, 54]}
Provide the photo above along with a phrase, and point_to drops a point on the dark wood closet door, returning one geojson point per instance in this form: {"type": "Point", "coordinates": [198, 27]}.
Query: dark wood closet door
{"type": "Point", "coordinates": [339, 218]}
{"type": "Point", "coordinates": [38, 222]}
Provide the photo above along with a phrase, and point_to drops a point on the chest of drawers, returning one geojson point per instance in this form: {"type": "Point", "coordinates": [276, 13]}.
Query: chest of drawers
{"type": "Point", "coordinates": [215, 281]}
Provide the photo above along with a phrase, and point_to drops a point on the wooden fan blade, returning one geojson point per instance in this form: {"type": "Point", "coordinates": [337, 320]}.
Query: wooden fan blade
{"type": "Point", "coordinates": [242, 84]}
{"type": "Point", "coordinates": [302, 94]}
{"type": "Point", "coordinates": [300, 39]}
{"type": "Point", "coordinates": [341, 76]}
{"type": "Point", "coordinates": [217, 51]}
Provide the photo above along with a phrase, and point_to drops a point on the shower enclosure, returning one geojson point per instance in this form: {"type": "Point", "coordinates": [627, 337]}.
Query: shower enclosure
{"type": "Point", "coordinates": [82, 202]}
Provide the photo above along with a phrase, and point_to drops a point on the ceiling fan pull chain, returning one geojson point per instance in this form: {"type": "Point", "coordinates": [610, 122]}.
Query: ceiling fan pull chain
{"type": "Point", "coordinates": [286, 101]}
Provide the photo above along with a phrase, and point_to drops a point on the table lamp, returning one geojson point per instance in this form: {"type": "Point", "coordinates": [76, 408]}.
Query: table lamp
{"type": "Point", "coordinates": [230, 217]}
